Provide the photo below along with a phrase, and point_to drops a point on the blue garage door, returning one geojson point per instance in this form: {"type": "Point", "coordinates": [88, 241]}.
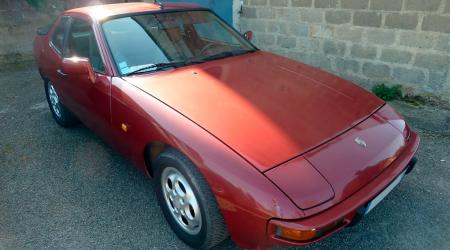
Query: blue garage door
{"type": "Point", "coordinates": [223, 8]}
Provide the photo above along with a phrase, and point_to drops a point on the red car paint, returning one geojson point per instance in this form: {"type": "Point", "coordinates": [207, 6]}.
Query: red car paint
{"type": "Point", "coordinates": [262, 104]}
{"type": "Point", "coordinates": [273, 137]}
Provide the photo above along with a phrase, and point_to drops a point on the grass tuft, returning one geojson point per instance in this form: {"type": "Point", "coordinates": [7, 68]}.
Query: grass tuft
{"type": "Point", "coordinates": [388, 93]}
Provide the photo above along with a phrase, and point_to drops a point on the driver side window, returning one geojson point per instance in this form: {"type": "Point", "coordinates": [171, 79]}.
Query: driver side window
{"type": "Point", "coordinates": [81, 42]}
{"type": "Point", "coordinates": [58, 35]}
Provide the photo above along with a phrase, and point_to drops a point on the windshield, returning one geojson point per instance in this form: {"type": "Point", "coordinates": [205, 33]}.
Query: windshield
{"type": "Point", "coordinates": [143, 41]}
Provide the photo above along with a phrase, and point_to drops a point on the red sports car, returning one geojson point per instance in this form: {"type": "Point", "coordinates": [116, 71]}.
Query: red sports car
{"type": "Point", "coordinates": [239, 142]}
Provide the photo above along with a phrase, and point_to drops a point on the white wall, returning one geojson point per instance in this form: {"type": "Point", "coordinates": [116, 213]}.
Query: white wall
{"type": "Point", "coordinates": [236, 13]}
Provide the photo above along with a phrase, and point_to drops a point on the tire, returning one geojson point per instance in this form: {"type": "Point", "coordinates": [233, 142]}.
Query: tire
{"type": "Point", "coordinates": [60, 113]}
{"type": "Point", "coordinates": [203, 226]}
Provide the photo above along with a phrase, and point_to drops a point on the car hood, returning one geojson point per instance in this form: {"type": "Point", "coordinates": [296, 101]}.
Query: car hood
{"type": "Point", "coordinates": [267, 108]}
{"type": "Point", "coordinates": [337, 169]}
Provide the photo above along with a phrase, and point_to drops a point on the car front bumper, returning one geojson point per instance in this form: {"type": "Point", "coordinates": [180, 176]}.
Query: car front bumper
{"type": "Point", "coordinates": [347, 212]}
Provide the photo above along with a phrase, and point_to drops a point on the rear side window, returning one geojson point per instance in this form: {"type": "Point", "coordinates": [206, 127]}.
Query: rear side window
{"type": "Point", "coordinates": [58, 34]}
{"type": "Point", "coordinates": [81, 42]}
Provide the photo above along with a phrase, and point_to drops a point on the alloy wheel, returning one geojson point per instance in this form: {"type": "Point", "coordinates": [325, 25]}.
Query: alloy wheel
{"type": "Point", "coordinates": [181, 200]}
{"type": "Point", "coordinates": [54, 100]}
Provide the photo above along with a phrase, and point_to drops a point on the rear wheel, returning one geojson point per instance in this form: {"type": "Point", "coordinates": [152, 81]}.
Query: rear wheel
{"type": "Point", "coordinates": [60, 113]}
{"type": "Point", "coordinates": [187, 201]}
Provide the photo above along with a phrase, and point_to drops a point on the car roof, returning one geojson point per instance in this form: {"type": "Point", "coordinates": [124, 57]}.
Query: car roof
{"type": "Point", "coordinates": [108, 10]}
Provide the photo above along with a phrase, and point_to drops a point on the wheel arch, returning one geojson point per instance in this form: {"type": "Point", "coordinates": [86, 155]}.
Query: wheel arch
{"type": "Point", "coordinates": [43, 76]}
{"type": "Point", "coordinates": [151, 152]}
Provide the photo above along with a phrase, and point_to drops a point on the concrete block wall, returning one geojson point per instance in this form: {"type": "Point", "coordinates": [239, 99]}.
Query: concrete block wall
{"type": "Point", "coordinates": [367, 41]}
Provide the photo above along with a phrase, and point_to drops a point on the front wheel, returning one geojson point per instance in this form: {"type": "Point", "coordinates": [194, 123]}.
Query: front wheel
{"type": "Point", "coordinates": [60, 113]}
{"type": "Point", "coordinates": [187, 201]}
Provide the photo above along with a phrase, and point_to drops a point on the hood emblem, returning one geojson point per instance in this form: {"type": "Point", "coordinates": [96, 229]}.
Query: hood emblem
{"type": "Point", "coordinates": [361, 142]}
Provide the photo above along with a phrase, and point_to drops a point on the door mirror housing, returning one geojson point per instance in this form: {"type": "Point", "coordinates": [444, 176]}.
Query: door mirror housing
{"type": "Point", "coordinates": [76, 66]}
{"type": "Point", "coordinates": [248, 35]}
{"type": "Point", "coordinates": [42, 31]}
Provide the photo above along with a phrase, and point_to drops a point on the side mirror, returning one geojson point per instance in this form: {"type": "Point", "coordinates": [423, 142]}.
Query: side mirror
{"type": "Point", "coordinates": [42, 31]}
{"type": "Point", "coordinates": [248, 35]}
{"type": "Point", "coordinates": [77, 66]}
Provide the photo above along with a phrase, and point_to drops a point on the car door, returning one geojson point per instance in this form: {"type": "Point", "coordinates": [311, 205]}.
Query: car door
{"type": "Point", "coordinates": [88, 99]}
{"type": "Point", "coordinates": [53, 55]}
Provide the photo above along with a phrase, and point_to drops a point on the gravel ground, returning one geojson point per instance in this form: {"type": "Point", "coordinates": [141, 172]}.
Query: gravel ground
{"type": "Point", "coordinates": [65, 188]}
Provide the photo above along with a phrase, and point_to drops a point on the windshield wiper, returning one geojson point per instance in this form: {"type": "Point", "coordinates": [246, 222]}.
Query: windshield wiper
{"type": "Point", "coordinates": [155, 67]}
{"type": "Point", "coordinates": [228, 54]}
{"type": "Point", "coordinates": [176, 64]}
{"type": "Point", "coordinates": [161, 66]}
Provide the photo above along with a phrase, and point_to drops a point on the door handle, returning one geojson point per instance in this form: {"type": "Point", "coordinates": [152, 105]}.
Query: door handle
{"type": "Point", "coordinates": [59, 71]}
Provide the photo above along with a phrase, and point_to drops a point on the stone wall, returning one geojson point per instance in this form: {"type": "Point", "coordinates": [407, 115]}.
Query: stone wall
{"type": "Point", "coordinates": [19, 21]}
{"type": "Point", "coordinates": [18, 24]}
{"type": "Point", "coordinates": [367, 41]}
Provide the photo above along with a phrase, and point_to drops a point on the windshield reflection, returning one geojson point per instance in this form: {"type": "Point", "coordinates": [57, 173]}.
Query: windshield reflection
{"type": "Point", "coordinates": [143, 41]}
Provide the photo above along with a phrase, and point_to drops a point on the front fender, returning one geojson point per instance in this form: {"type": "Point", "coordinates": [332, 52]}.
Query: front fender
{"type": "Point", "coordinates": [246, 197]}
